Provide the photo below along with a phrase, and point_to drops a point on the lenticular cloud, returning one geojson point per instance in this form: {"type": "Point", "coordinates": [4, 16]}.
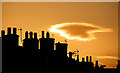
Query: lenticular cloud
{"type": "Point", "coordinates": [78, 31]}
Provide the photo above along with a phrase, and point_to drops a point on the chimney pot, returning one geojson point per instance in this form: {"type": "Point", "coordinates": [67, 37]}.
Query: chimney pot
{"type": "Point", "coordinates": [83, 59]}
{"type": "Point", "coordinates": [47, 35]}
{"type": "Point", "coordinates": [96, 63]}
{"type": "Point", "coordinates": [86, 58]}
{"type": "Point", "coordinates": [2, 33]}
{"type": "Point", "coordinates": [26, 35]}
{"type": "Point", "coordinates": [90, 58]}
{"type": "Point", "coordinates": [35, 35]}
{"type": "Point", "coordinates": [14, 31]}
{"type": "Point", "coordinates": [31, 35]}
{"type": "Point", "coordinates": [9, 30]}
{"type": "Point", "coordinates": [42, 34]}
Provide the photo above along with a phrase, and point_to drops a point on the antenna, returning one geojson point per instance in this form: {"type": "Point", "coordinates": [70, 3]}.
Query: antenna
{"type": "Point", "coordinates": [66, 41]}
{"type": "Point", "coordinates": [77, 51]}
{"type": "Point", "coordinates": [39, 35]}
{"type": "Point", "coordinates": [52, 35]}
{"type": "Point", "coordinates": [77, 54]}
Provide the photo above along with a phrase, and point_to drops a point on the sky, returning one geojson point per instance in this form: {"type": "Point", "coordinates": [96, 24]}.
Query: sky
{"type": "Point", "coordinates": [97, 22]}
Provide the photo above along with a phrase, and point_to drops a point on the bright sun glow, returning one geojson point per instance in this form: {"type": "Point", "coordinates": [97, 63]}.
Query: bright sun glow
{"type": "Point", "coordinates": [63, 32]}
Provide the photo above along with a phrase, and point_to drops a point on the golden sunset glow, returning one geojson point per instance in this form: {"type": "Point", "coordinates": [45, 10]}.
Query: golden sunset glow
{"type": "Point", "coordinates": [90, 33]}
{"type": "Point", "coordinates": [107, 57]}
{"type": "Point", "coordinates": [90, 27]}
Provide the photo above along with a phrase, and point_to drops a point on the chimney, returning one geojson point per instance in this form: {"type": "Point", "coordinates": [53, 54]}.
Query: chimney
{"type": "Point", "coordinates": [26, 35]}
{"type": "Point", "coordinates": [90, 58]}
{"type": "Point", "coordinates": [2, 33]}
{"type": "Point", "coordinates": [83, 59]}
{"type": "Point", "coordinates": [86, 58]}
{"type": "Point", "coordinates": [9, 30]}
{"type": "Point", "coordinates": [78, 58]}
{"type": "Point", "coordinates": [47, 35]}
{"type": "Point", "coordinates": [96, 65]}
{"type": "Point", "coordinates": [35, 35]}
{"type": "Point", "coordinates": [118, 62]}
{"type": "Point", "coordinates": [31, 35]}
{"type": "Point", "coordinates": [70, 55]}
{"type": "Point", "coordinates": [14, 31]}
{"type": "Point", "coordinates": [42, 34]}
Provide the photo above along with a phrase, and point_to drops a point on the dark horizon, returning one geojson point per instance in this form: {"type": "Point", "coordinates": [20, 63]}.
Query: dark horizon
{"type": "Point", "coordinates": [30, 58]}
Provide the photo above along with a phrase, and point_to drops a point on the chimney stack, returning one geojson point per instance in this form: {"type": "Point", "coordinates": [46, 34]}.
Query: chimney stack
{"type": "Point", "coordinates": [42, 34]}
{"type": "Point", "coordinates": [35, 35]}
{"type": "Point", "coordinates": [31, 35]}
{"type": "Point", "coordinates": [26, 35]}
{"type": "Point", "coordinates": [2, 33]}
{"type": "Point", "coordinates": [96, 65]}
{"type": "Point", "coordinates": [118, 62]}
{"type": "Point", "coordinates": [47, 35]}
{"type": "Point", "coordinates": [9, 30]}
{"type": "Point", "coordinates": [14, 31]}
{"type": "Point", "coordinates": [90, 58]}
{"type": "Point", "coordinates": [86, 58]}
{"type": "Point", "coordinates": [78, 58]}
{"type": "Point", "coordinates": [83, 59]}
{"type": "Point", "coordinates": [70, 55]}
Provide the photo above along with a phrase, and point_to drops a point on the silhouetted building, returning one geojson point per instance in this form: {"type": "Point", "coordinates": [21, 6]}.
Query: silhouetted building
{"type": "Point", "coordinates": [97, 69]}
{"type": "Point", "coordinates": [10, 40]}
{"type": "Point", "coordinates": [10, 50]}
{"type": "Point", "coordinates": [61, 50]}
{"type": "Point", "coordinates": [46, 45]}
{"type": "Point", "coordinates": [29, 58]}
{"type": "Point", "coordinates": [30, 44]}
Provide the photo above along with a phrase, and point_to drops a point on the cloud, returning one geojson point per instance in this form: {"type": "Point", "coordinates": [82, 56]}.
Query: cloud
{"type": "Point", "coordinates": [78, 31]}
{"type": "Point", "coordinates": [107, 57]}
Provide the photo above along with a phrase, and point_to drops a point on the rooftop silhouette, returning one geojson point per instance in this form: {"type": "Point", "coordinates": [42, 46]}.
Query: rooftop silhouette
{"type": "Point", "coordinates": [31, 58]}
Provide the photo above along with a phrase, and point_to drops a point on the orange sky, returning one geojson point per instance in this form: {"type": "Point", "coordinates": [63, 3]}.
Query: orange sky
{"type": "Point", "coordinates": [38, 16]}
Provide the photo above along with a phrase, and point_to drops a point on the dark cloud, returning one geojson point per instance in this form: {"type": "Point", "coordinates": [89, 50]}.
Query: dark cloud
{"type": "Point", "coordinates": [78, 30]}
